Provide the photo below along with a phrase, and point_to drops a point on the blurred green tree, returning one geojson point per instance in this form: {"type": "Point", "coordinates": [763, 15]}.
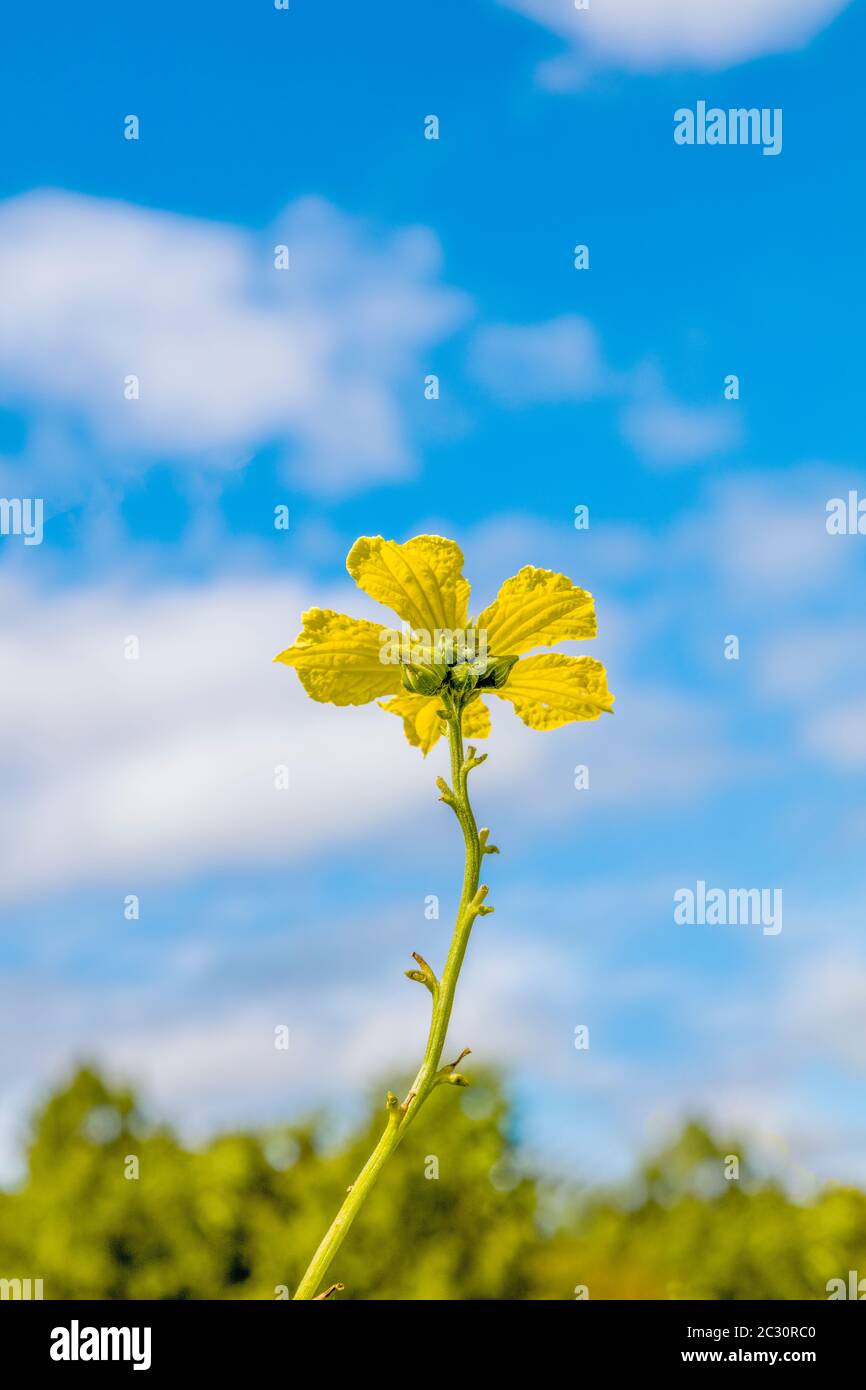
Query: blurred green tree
{"type": "Point", "coordinates": [114, 1207]}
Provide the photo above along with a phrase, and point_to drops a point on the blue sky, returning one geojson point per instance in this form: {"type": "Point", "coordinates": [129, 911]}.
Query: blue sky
{"type": "Point", "coordinates": [558, 387]}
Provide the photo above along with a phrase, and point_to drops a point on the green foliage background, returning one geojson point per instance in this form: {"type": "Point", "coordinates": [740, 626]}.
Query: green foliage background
{"type": "Point", "coordinates": [240, 1216]}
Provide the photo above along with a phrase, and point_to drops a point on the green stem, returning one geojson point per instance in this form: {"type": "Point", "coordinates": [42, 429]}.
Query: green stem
{"type": "Point", "coordinates": [401, 1116]}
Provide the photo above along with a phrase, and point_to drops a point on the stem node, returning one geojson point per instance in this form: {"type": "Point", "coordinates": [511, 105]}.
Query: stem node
{"type": "Point", "coordinates": [483, 837]}
{"type": "Point", "coordinates": [476, 907]}
{"type": "Point", "coordinates": [446, 794]}
{"type": "Point", "coordinates": [448, 1075]}
{"type": "Point", "coordinates": [424, 976]}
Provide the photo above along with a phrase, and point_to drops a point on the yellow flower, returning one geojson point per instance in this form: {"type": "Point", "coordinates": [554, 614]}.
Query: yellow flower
{"type": "Point", "coordinates": [440, 654]}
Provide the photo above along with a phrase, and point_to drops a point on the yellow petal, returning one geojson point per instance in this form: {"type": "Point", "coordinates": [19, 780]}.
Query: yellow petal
{"type": "Point", "coordinates": [338, 659]}
{"type": "Point", "coordinates": [553, 689]}
{"type": "Point", "coordinates": [536, 608]}
{"type": "Point", "coordinates": [476, 720]}
{"type": "Point", "coordinates": [420, 580]}
{"type": "Point", "coordinates": [422, 725]}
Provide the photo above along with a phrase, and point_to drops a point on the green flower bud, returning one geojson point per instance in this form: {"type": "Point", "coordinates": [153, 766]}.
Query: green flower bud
{"type": "Point", "coordinates": [424, 680]}
{"type": "Point", "coordinates": [462, 678]}
{"type": "Point", "coordinates": [497, 673]}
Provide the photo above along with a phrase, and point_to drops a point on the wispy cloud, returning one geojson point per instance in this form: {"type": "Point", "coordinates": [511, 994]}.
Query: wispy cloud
{"type": "Point", "coordinates": [639, 37]}
{"type": "Point", "coordinates": [669, 432]}
{"type": "Point", "coordinates": [561, 360]}
{"type": "Point", "coordinates": [767, 532]}
{"type": "Point", "coordinates": [120, 770]}
{"type": "Point", "coordinates": [230, 352]}
{"type": "Point", "coordinates": [838, 734]}
{"type": "Point", "coordinates": [522, 364]}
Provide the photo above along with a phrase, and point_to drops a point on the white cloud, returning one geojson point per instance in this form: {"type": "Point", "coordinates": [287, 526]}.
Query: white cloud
{"type": "Point", "coordinates": [839, 735]}
{"type": "Point", "coordinates": [665, 431]}
{"type": "Point", "coordinates": [820, 673]}
{"type": "Point", "coordinates": [809, 663]}
{"type": "Point", "coordinates": [231, 353]}
{"type": "Point", "coordinates": [561, 360]}
{"type": "Point", "coordinates": [521, 364]}
{"type": "Point", "coordinates": [131, 770]}
{"type": "Point", "coordinates": [821, 1009]}
{"type": "Point", "coordinates": [769, 531]}
{"type": "Point", "coordinates": [705, 34]}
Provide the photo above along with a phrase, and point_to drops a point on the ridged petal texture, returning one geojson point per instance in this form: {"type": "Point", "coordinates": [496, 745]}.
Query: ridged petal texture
{"type": "Point", "coordinates": [338, 659]}
{"type": "Point", "coordinates": [553, 689]}
{"type": "Point", "coordinates": [536, 608]}
{"type": "Point", "coordinates": [421, 580]}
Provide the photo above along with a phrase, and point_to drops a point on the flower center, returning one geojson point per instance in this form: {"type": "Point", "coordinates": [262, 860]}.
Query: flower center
{"type": "Point", "coordinates": [466, 679]}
